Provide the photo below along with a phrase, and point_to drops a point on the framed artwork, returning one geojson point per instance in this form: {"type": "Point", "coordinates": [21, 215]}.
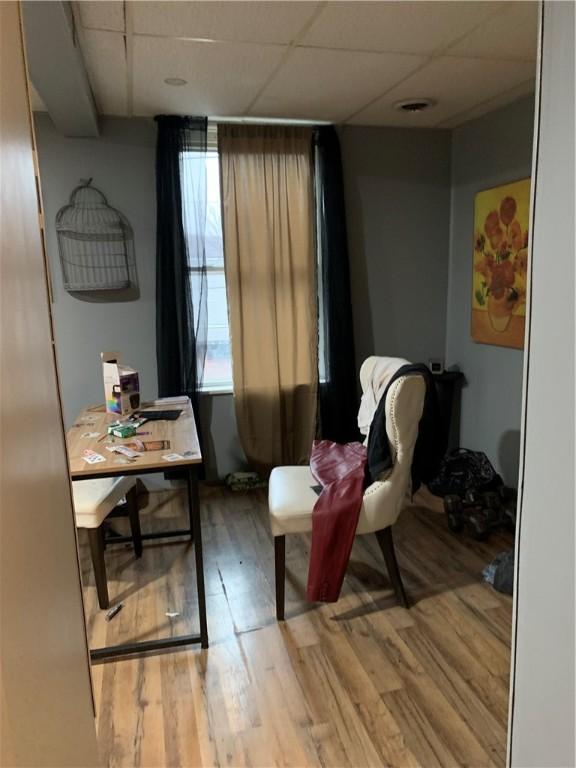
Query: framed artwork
{"type": "Point", "coordinates": [501, 217]}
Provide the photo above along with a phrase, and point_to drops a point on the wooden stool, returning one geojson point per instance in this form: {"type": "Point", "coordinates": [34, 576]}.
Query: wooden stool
{"type": "Point", "coordinates": [94, 500]}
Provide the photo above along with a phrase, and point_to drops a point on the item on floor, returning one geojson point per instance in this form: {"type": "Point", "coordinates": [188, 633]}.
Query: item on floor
{"type": "Point", "coordinates": [481, 512]}
{"type": "Point", "coordinates": [463, 470]}
{"type": "Point", "coordinates": [244, 481]}
{"type": "Point", "coordinates": [114, 611]}
{"type": "Point", "coordinates": [171, 415]}
{"type": "Point", "coordinates": [428, 448]}
{"type": "Point", "coordinates": [500, 572]}
{"type": "Point", "coordinates": [121, 385]}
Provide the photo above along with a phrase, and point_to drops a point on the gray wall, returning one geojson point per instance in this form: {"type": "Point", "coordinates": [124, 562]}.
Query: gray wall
{"type": "Point", "coordinates": [121, 162]}
{"type": "Point", "coordinates": [397, 188]}
{"type": "Point", "coordinates": [543, 696]}
{"type": "Point", "coordinates": [492, 150]}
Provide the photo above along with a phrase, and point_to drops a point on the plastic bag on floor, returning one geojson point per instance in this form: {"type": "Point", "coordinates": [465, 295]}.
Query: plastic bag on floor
{"type": "Point", "coordinates": [500, 572]}
{"type": "Point", "coordinates": [244, 481]}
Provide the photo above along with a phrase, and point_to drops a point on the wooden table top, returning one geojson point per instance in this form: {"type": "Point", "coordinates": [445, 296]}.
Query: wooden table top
{"type": "Point", "coordinates": [181, 435]}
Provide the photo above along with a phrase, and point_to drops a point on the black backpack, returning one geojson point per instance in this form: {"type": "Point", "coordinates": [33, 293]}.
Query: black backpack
{"type": "Point", "coordinates": [462, 470]}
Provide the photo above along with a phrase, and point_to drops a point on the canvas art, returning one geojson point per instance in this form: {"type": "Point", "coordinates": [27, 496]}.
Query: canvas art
{"type": "Point", "coordinates": [501, 217]}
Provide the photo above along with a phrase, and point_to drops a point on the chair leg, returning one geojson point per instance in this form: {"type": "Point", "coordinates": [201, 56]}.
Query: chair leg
{"type": "Point", "coordinates": [96, 540]}
{"type": "Point", "coordinates": [280, 573]}
{"type": "Point", "coordinates": [387, 546]}
{"type": "Point", "coordinates": [134, 517]}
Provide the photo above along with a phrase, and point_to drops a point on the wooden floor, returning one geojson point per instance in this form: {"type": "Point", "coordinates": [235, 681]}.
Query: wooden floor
{"type": "Point", "coordinates": [357, 683]}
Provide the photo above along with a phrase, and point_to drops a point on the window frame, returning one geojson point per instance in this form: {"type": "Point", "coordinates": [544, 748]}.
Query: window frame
{"type": "Point", "coordinates": [214, 388]}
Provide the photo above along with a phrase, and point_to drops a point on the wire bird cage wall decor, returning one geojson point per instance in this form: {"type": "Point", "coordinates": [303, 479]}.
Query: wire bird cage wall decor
{"type": "Point", "coordinates": [96, 242]}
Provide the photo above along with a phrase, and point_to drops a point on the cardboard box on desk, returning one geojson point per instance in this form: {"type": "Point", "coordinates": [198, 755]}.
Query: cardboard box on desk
{"type": "Point", "coordinates": [121, 385]}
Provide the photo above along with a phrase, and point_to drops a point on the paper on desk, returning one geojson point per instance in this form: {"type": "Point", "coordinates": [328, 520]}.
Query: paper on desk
{"type": "Point", "coordinates": [180, 400]}
{"type": "Point", "coordinates": [124, 450]}
{"type": "Point", "coordinates": [91, 457]}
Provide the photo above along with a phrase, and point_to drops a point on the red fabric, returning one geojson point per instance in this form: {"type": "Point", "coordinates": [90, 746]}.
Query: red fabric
{"type": "Point", "coordinates": [340, 471]}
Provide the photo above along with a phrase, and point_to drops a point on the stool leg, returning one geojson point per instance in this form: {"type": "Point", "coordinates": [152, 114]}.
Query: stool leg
{"type": "Point", "coordinates": [96, 540]}
{"type": "Point", "coordinates": [280, 573]}
{"type": "Point", "coordinates": [134, 517]}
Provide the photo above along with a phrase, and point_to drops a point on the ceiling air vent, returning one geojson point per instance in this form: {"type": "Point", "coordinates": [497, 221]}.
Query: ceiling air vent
{"type": "Point", "coordinates": [414, 105]}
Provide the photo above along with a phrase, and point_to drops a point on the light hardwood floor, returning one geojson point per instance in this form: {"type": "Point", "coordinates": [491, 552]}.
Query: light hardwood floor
{"type": "Point", "coordinates": [357, 683]}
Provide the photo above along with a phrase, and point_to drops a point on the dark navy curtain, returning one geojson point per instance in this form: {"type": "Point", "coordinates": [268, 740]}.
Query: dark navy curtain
{"type": "Point", "coordinates": [338, 391]}
{"type": "Point", "coordinates": [181, 316]}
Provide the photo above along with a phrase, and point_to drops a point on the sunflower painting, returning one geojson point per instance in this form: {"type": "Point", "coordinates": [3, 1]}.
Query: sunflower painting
{"type": "Point", "coordinates": [501, 217]}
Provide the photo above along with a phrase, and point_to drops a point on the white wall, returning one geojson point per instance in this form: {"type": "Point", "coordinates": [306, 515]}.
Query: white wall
{"type": "Point", "coordinates": [492, 150]}
{"type": "Point", "coordinates": [543, 716]}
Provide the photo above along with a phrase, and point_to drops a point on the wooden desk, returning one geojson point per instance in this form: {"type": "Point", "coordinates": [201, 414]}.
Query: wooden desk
{"type": "Point", "coordinates": [183, 438]}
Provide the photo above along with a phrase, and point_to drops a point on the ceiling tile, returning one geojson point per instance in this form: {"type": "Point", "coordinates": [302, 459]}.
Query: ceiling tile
{"type": "Point", "coordinates": [319, 84]}
{"type": "Point", "coordinates": [265, 22]}
{"type": "Point", "coordinates": [408, 27]}
{"type": "Point", "coordinates": [105, 58]}
{"type": "Point", "coordinates": [223, 78]}
{"type": "Point", "coordinates": [101, 14]}
{"type": "Point", "coordinates": [457, 84]}
{"type": "Point", "coordinates": [511, 34]}
{"type": "Point", "coordinates": [501, 100]}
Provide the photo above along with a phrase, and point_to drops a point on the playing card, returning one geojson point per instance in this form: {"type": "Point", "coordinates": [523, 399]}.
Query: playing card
{"type": "Point", "coordinates": [91, 457]}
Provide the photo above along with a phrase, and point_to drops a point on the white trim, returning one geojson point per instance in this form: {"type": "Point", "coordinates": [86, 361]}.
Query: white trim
{"type": "Point", "coordinates": [525, 383]}
{"type": "Point", "coordinates": [217, 389]}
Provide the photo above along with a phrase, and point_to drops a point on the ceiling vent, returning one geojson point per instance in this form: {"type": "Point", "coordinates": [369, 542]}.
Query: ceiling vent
{"type": "Point", "coordinates": [175, 81]}
{"type": "Point", "coordinates": [414, 105]}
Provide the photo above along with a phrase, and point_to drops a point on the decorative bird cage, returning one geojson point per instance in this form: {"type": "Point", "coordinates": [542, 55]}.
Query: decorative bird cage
{"type": "Point", "coordinates": [96, 242]}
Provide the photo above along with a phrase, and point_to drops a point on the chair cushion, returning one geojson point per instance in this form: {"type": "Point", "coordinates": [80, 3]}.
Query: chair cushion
{"type": "Point", "coordinates": [291, 500]}
{"type": "Point", "coordinates": [95, 499]}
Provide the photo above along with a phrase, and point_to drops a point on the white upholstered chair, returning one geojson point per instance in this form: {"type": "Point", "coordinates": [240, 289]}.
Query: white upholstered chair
{"type": "Point", "coordinates": [291, 497]}
{"type": "Point", "coordinates": [94, 501]}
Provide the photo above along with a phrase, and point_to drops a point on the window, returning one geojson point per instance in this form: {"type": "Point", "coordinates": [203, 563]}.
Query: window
{"type": "Point", "coordinates": [218, 362]}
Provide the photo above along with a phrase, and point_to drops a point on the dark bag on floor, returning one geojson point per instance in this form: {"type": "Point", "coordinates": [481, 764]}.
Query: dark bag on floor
{"type": "Point", "coordinates": [500, 572]}
{"type": "Point", "coordinates": [462, 470]}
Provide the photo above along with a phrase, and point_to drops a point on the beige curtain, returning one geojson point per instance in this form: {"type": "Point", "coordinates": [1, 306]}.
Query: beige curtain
{"type": "Point", "coordinates": [268, 224]}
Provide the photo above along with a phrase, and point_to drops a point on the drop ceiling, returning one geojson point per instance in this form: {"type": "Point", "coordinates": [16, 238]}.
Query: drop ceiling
{"type": "Point", "coordinates": [344, 62]}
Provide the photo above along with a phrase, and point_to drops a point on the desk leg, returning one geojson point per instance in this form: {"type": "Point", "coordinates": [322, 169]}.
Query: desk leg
{"type": "Point", "coordinates": [193, 499]}
{"type": "Point", "coordinates": [194, 511]}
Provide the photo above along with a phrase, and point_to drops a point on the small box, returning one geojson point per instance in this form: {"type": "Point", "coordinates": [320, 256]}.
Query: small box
{"type": "Point", "coordinates": [436, 366]}
{"type": "Point", "coordinates": [122, 430]}
{"type": "Point", "coordinates": [121, 385]}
